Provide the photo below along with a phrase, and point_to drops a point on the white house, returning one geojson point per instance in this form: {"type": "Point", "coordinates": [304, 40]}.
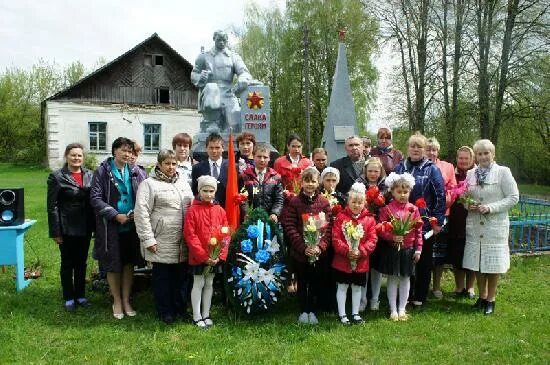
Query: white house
{"type": "Point", "coordinates": [145, 94]}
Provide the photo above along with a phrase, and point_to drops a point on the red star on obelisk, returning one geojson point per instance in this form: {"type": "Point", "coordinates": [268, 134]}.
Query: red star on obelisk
{"type": "Point", "coordinates": [342, 34]}
{"type": "Point", "coordinates": [255, 100]}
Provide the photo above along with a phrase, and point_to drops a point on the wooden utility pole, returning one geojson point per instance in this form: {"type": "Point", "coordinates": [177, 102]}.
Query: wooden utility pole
{"type": "Point", "coordinates": [306, 88]}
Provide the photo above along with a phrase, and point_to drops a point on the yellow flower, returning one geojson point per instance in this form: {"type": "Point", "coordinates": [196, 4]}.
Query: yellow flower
{"type": "Point", "coordinates": [243, 192]}
{"type": "Point", "coordinates": [213, 241]}
{"type": "Point", "coordinates": [311, 228]}
{"type": "Point", "coordinates": [225, 230]}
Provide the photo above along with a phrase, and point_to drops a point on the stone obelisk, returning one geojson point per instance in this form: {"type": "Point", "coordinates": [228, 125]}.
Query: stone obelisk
{"type": "Point", "coordinates": [341, 120]}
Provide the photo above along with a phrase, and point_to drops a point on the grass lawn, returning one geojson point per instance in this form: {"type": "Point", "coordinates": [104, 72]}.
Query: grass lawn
{"type": "Point", "coordinates": [35, 329]}
{"type": "Point", "coordinates": [542, 191]}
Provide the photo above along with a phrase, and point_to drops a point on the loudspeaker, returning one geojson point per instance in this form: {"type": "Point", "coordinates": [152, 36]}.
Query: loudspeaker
{"type": "Point", "coordinates": [12, 207]}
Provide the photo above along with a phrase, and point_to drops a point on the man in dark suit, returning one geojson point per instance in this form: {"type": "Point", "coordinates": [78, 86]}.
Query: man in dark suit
{"type": "Point", "coordinates": [215, 166]}
{"type": "Point", "coordinates": [350, 167]}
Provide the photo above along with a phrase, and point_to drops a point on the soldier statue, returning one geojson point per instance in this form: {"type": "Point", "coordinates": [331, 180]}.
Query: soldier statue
{"type": "Point", "coordinates": [213, 74]}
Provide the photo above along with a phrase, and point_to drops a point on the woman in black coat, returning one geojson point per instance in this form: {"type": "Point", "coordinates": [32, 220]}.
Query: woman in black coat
{"type": "Point", "coordinates": [71, 222]}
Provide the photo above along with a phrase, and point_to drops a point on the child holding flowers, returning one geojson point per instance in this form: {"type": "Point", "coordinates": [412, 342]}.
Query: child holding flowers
{"type": "Point", "coordinates": [308, 204]}
{"type": "Point", "coordinates": [375, 176]}
{"type": "Point", "coordinates": [400, 230]}
{"type": "Point", "coordinates": [353, 239]}
{"type": "Point", "coordinates": [330, 177]}
{"type": "Point", "coordinates": [204, 227]}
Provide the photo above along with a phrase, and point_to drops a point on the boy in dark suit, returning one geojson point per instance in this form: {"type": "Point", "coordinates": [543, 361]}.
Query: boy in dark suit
{"type": "Point", "coordinates": [215, 166]}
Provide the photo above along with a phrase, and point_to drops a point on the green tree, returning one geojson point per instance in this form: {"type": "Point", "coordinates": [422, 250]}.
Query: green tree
{"type": "Point", "coordinates": [73, 72]}
{"type": "Point", "coordinates": [19, 118]}
{"type": "Point", "coordinates": [273, 44]}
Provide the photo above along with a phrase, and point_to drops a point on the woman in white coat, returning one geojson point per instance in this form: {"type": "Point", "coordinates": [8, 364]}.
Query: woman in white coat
{"type": "Point", "coordinates": [487, 227]}
{"type": "Point", "coordinates": [161, 203]}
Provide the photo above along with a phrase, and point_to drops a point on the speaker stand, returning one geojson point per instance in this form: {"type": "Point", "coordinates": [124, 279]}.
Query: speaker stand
{"type": "Point", "coordinates": [12, 251]}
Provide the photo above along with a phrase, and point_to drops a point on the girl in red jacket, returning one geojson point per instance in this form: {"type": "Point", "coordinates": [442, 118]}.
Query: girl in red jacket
{"type": "Point", "coordinates": [202, 221]}
{"type": "Point", "coordinates": [353, 239]}
{"type": "Point", "coordinates": [398, 253]}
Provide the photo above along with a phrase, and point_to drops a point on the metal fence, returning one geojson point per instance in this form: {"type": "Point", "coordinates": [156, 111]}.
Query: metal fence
{"type": "Point", "coordinates": [530, 225]}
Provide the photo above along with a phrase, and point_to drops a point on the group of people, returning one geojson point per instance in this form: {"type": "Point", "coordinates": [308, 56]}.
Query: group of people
{"type": "Point", "coordinates": [167, 218]}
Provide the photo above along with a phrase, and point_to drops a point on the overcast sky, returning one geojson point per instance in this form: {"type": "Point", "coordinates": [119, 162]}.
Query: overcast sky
{"type": "Point", "coordinates": [74, 30]}
{"type": "Point", "coordinates": [64, 31]}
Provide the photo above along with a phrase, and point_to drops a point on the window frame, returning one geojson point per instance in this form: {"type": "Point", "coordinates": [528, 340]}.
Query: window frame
{"type": "Point", "coordinates": [96, 134]}
{"type": "Point", "coordinates": [151, 59]}
{"type": "Point", "coordinates": [148, 139]}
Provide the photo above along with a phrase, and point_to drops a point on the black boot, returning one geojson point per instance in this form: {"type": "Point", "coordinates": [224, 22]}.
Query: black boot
{"type": "Point", "coordinates": [480, 304]}
{"type": "Point", "coordinates": [489, 308]}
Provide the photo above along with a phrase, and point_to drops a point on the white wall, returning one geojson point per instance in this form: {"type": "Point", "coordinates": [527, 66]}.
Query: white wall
{"type": "Point", "coordinates": [67, 122]}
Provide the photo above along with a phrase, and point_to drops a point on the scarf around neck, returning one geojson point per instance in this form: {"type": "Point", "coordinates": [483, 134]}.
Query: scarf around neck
{"type": "Point", "coordinates": [385, 149]}
{"type": "Point", "coordinates": [159, 175]}
{"type": "Point", "coordinates": [481, 174]}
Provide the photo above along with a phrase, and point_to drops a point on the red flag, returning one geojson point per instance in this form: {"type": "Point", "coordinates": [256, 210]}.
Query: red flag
{"type": "Point", "coordinates": [232, 208]}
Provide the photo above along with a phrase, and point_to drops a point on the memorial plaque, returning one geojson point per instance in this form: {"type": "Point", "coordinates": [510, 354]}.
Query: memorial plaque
{"type": "Point", "coordinates": [255, 112]}
{"type": "Point", "coordinates": [341, 132]}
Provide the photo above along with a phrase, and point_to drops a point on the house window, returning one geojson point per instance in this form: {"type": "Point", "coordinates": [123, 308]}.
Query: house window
{"type": "Point", "coordinates": [153, 60]}
{"type": "Point", "coordinates": [162, 95]}
{"type": "Point", "coordinates": [148, 60]}
{"type": "Point", "coordinates": [98, 136]}
{"type": "Point", "coordinates": [151, 137]}
{"type": "Point", "coordinates": [159, 60]}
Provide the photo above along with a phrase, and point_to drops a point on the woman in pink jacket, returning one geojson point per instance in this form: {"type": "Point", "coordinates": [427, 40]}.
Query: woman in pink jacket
{"type": "Point", "coordinates": [353, 239]}
{"type": "Point", "coordinates": [441, 254]}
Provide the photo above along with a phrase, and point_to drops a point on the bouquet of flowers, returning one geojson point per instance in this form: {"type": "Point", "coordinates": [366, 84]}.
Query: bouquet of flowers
{"type": "Point", "coordinates": [333, 201]}
{"type": "Point", "coordinates": [255, 270]}
{"type": "Point", "coordinates": [353, 234]}
{"type": "Point", "coordinates": [460, 194]}
{"type": "Point", "coordinates": [292, 175]}
{"type": "Point", "coordinates": [467, 199]}
{"type": "Point", "coordinates": [331, 198]}
{"type": "Point", "coordinates": [314, 227]}
{"type": "Point", "coordinates": [399, 226]}
{"type": "Point", "coordinates": [242, 196]}
{"type": "Point", "coordinates": [220, 238]}
{"type": "Point", "coordinates": [374, 199]}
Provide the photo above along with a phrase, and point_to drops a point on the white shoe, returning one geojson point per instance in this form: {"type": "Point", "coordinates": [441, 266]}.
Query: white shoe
{"type": "Point", "coordinates": [313, 318]}
{"type": "Point", "coordinates": [394, 317]}
{"type": "Point", "coordinates": [362, 306]}
{"type": "Point", "coordinates": [208, 322]}
{"type": "Point", "coordinates": [374, 306]}
{"type": "Point", "coordinates": [303, 318]}
{"type": "Point", "coordinates": [200, 323]}
{"type": "Point", "coordinates": [438, 294]}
